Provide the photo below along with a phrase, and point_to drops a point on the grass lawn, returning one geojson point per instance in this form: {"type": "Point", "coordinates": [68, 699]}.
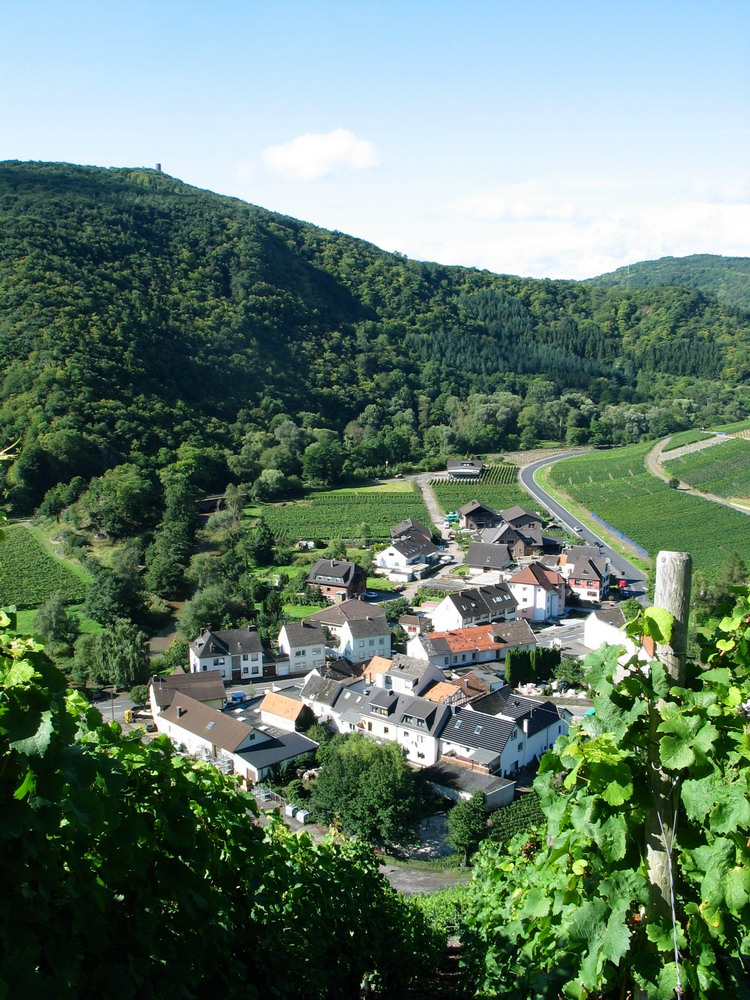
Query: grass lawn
{"type": "Point", "coordinates": [300, 611]}
{"type": "Point", "coordinates": [87, 626]}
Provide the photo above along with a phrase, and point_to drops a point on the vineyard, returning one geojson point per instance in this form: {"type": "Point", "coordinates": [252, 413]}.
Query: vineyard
{"type": "Point", "coordinates": [684, 438]}
{"type": "Point", "coordinates": [616, 486]}
{"type": "Point", "coordinates": [346, 514]}
{"type": "Point", "coordinates": [723, 470]}
{"type": "Point", "coordinates": [519, 816]}
{"type": "Point", "coordinates": [500, 491]}
{"type": "Point", "coordinates": [28, 575]}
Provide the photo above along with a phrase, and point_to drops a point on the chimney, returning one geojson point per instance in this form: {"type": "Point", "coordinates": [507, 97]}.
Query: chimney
{"type": "Point", "coordinates": [180, 711]}
{"type": "Point", "coordinates": [526, 725]}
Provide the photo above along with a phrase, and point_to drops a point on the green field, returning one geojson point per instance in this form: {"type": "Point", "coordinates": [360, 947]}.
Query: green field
{"type": "Point", "coordinates": [616, 486]}
{"type": "Point", "coordinates": [29, 575]}
{"type": "Point", "coordinates": [685, 437]}
{"type": "Point", "coordinates": [723, 469]}
{"type": "Point", "coordinates": [343, 513]}
{"type": "Point", "coordinates": [451, 496]}
{"type": "Point", "coordinates": [739, 425]}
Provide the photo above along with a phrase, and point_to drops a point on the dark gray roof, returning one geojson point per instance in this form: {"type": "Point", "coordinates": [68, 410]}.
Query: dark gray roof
{"type": "Point", "coordinates": [205, 686]}
{"type": "Point", "coordinates": [463, 779]}
{"type": "Point", "coordinates": [304, 634]}
{"type": "Point", "coordinates": [473, 506]}
{"type": "Point", "coordinates": [208, 723]}
{"type": "Point", "coordinates": [407, 666]}
{"type": "Point", "coordinates": [381, 698]}
{"type": "Point", "coordinates": [226, 642]}
{"type": "Point", "coordinates": [409, 526]}
{"type": "Point", "coordinates": [321, 689]}
{"type": "Point", "coordinates": [532, 716]}
{"type": "Point", "coordinates": [513, 514]}
{"type": "Point", "coordinates": [412, 544]}
{"type": "Point", "coordinates": [478, 730]}
{"type": "Point", "coordinates": [492, 600]}
{"type": "Point", "coordinates": [282, 746]}
{"type": "Point", "coordinates": [366, 628]}
{"type": "Point", "coordinates": [335, 572]}
{"type": "Point", "coordinates": [433, 714]}
{"type": "Point", "coordinates": [612, 616]}
{"type": "Point", "coordinates": [338, 614]}
{"type": "Point", "coordinates": [516, 633]}
{"type": "Point", "coordinates": [487, 556]}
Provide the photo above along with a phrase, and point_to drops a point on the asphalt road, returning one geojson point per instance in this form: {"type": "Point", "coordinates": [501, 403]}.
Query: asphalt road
{"type": "Point", "coordinates": [637, 579]}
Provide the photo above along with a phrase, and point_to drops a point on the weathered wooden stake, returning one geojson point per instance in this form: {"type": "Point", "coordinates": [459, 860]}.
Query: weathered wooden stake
{"type": "Point", "coordinates": [672, 592]}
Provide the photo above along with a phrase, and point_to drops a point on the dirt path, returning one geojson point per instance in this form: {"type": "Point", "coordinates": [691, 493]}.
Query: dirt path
{"type": "Point", "coordinates": [654, 466]}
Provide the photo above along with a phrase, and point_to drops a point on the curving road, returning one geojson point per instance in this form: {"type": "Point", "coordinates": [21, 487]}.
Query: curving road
{"type": "Point", "coordinates": [637, 579]}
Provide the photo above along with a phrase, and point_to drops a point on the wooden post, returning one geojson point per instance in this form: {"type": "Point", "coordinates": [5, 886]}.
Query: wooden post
{"type": "Point", "coordinates": [673, 571]}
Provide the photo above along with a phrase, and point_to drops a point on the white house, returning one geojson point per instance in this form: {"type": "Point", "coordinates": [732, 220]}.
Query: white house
{"type": "Point", "coordinates": [228, 742]}
{"type": "Point", "coordinates": [475, 606]}
{"type": "Point", "coordinates": [413, 723]}
{"type": "Point", "coordinates": [408, 556]}
{"type": "Point", "coordinates": [305, 645]}
{"type": "Point", "coordinates": [336, 616]}
{"type": "Point", "coordinates": [236, 653]}
{"type": "Point", "coordinates": [467, 646]}
{"type": "Point", "coordinates": [407, 675]}
{"type": "Point", "coordinates": [362, 638]}
{"type": "Point", "coordinates": [604, 627]}
{"type": "Point", "coordinates": [206, 687]}
{"type": "Point", "coordinates": [539, 592]}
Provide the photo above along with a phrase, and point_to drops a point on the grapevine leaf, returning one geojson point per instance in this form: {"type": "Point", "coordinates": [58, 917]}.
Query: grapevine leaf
{"type": "Point", "coordinates": [27, 786]}
{"type": "Point", "coordinates": [36, 744]}
{"type": "Point", "coordinates": [537, 904]}
{"type": "Point", "coordinates": [659, 679]}
{"type": "Point", "coordinates": [612, 837]}
{"type": "Point", "coordinates": [699, 796]}
{"type": "Point", "coordinates": [675, 753]}
{"type": "Point", "coordinates": [616, 940]}
{"type": "Point", "coordinates": [737, 888]}
{"type": "Point", "coordinates": [717, 675]}
{"type": "Point", "coordinates": [732, 812]}
{"type": "Point", "coordinates": [658, 624]}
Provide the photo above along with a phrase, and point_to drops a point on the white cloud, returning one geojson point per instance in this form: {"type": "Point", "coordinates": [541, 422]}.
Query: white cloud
{"type": "Point", "coordinates": [516, 236]}
{"type": "Point", "coordinates": [315, 155]}
{"type": "Point", "coordinates": [526, 202]}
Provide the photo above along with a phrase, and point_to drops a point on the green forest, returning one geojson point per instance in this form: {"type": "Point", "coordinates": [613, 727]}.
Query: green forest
{"type": "Point", "coordinates": [143, 321]}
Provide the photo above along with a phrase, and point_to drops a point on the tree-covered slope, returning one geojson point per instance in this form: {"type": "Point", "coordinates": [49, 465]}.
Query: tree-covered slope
{"type": "Point", "coordinates": [728, 278]}
{"type": "Point", "coordinates": [138, 314]}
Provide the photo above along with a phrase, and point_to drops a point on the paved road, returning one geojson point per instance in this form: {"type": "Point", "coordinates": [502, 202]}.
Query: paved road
{"type": "Point", "coordinates": [637, 579]}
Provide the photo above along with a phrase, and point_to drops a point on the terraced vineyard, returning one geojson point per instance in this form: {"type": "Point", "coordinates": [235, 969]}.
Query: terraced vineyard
{"type": "Point", "coordinates": [616, 486]}
{"type": "Point", "coordinates": [723, 469]}
{"type": "Point", "coordinates": [29, 575]}
{"type": "Point", "coordinates": [342, 513]}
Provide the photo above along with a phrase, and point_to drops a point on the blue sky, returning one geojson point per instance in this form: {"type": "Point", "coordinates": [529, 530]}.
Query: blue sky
{"type": "Point", "coordinates": [538, 137]}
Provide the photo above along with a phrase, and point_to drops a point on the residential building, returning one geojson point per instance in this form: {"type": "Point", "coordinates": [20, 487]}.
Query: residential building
{"type": "Point", "coordinates": [474, 606]}
{"type": "Point", "coordinates": [603, 627]}
{"type": "Point", "coordinates": [539, 592]}
{"type": "Point", "coordinates": [409, 556]}
{"type": "Point", "coordinates": [488, 558]}
{"type": "Point", "coordinates": [206, 687]}
{"type": "Point", "coordinates": [458, 784]}
{"type": "Point", "coordinates": [236, 653]}
{"type": "Point", "coordinates": [362, 638]}
{"type": "Point", "coordinates": [413, 723]}
{"type": "Point", "coordinates": [305, 645]}
{"type": "Point", "coordinates": [338, 579]}
{"type": "Point", "coordinates": [475, 516]}
{"type": "Point", "coordinates": [336, 616]}
{"type": "Point", "coordinates": [587, 574]}
{"type": "Point", "coordinates": [467, 646]}
{"type": "Point", "coordinates": [407, 675]}
{"type": "Point", "coordinates": [228, 742]}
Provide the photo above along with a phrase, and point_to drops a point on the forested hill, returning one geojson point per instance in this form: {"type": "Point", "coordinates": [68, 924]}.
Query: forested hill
{"type": "Point", "coordinates": [139, 315]}
{"type": "Point", "coordinates": [728, 278]}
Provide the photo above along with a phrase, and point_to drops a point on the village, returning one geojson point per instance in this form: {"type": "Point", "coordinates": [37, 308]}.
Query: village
{"type": "Point", "coordinates": [448, 701]}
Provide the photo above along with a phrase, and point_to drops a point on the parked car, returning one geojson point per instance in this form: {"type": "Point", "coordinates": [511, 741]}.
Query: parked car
{"type": "Point", "coordinates": [150, 727]}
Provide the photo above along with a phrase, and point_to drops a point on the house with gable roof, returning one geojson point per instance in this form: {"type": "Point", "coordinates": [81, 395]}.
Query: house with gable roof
{"type": "Point", "coordinates": [475, 516]}
{"type": "Point", "coordinates": [280, 710]}
{"type": "Point", "coordinates": [540, 722]}
{"type": "Point", "coordinates": [521, 518]}
{"type": "Point", "coordinates": [465, 468]}
{"type": "Point", "coordinates": [414, 723]}
{"type": "Point", "coordinates": [206, 687]}
{"type": "Point", "coordinates": [468, 646]}
{"type": "Point", "coordinates": [336, 616]}
{"type": "Point", "coordinates": [474, 606]}
{"type": "Point", "coordinates": [409, 556]}
{"type": "Point", "coordinates": [320, 695]}
{"type": "Point", "coordinates": [338, 579]}
{"type": "Point", "coordinates": [362, 638]}
{"type": "Point", "coordinates": [539, 592]}
{"type": "Point", "coordinates": [229, 742]}
{"type": "Point", "coordinates": [236, 653]}
{"type": "Point", "coordinates": [407, 675]}
{"type": "Point", "coordinates": [588, 575]}
{"type": "Point", "coordinates": [305, 645]}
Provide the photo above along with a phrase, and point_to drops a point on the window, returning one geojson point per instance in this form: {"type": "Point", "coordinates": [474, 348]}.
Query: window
{"type": "Point", "coordinates": [299, 652]}
{"type": "Point", "coordinates": [520, 745]}
{"type": "Point", "coordinates": [478, 730]}
{"type": "Point", "coordinates": [245, 671]}
{"type": "Point", "coordinates": [244, 656]}
{"type": "Point", "coordinates": [371, 642]}
{"type": "Point", "coordinates": [385, 730]}
{"type": "Point", "coordinates": [256, 671]}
